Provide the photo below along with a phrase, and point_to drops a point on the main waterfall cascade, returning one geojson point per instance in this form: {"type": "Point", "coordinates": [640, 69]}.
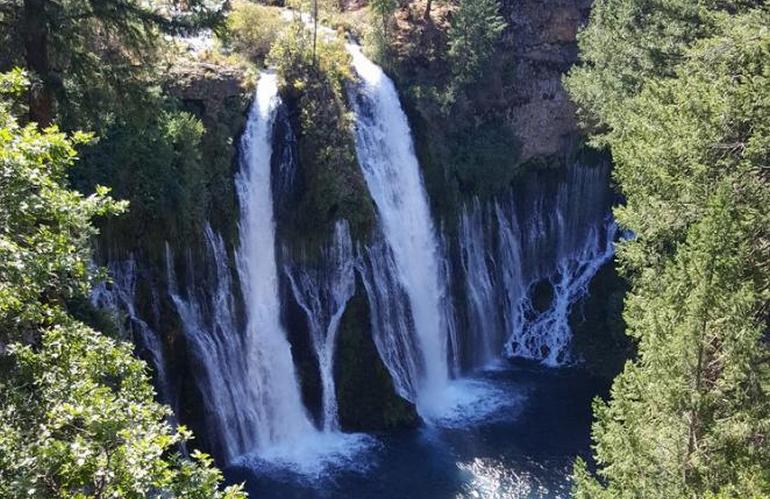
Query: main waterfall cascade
{"type": "Point", "coordinates": [513, 249]}
{"type": "Point", "coordinates": [387, 158]}
{"type": "Point", "coordinates": [499, 281]}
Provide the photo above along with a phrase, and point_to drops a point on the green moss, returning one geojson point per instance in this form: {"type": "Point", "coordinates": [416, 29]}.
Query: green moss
{"type": "Point", "coordinates": [333, 185]}
{"type": "Point", "coordinates": [220, 155]}
{"type": "Point", "coordinates": [176, 173]}
{"type": "Point", "coordinates": [365, 394]}
{"type": "Point", "coordinates": [462, 158]}
{"type": "Point", "coordinates": [598, 325]}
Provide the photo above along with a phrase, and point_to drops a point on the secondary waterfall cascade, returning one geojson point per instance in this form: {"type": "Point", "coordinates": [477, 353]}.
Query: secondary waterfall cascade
{"type": "Point", "coordinates": [217, 351]}
{"type": "Point", "coordinates": [387, 158]}
{"type": "Point", "coordinates": [552, 241]}
{"type": "Point", "coordinates": [118, 296]}
{"type": "Point", "coordinates": [480, 287]}
{"type": "Point", "coordinates": [323, 292]}
{"type": "Point", "coordinates": [280, 416]}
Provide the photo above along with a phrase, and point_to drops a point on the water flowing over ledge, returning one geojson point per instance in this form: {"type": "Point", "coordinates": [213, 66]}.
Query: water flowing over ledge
{"type": "Point", "coordinates": [388, 161]}
{"type": "Point", "coordinates": [323, 292]}
{"type": "Point", "coordinates": [444, 305]}
{"type": "Point", "coordinates": [527, 259]}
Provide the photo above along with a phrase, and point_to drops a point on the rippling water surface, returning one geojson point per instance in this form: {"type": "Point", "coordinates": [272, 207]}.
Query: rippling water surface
{"type": "Point", "coordinates": [509, 433]}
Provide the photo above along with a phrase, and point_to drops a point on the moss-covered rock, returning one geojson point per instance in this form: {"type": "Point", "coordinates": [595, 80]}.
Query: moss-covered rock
{"type": "Point", "coordinates": [174, 163]}
{"type": "Point", "coordinates": [333, 186]}
{"type": "Point", "coordinates": [366, 396]}
{"type": "Point", "coordinates": [598, 327]}
{"type": "Point", "coordinates": [219, 96]}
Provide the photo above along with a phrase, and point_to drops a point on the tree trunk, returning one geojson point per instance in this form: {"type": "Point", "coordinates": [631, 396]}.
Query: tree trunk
{"type": "Point", "coordinates": [36, 56]}
{"type": "Point", "coordinates": [428, 7]}
{"type": "Point", "coordinates": [315, 28]}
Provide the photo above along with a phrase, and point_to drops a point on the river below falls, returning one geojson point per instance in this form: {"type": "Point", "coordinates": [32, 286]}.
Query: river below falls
{"type": "Point", "coordinates": [517, 439]}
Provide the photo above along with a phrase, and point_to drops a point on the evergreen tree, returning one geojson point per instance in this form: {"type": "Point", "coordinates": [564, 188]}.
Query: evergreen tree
{"type": "Point", "coordinates": [84, 51]}
{"type": "Point", "coordinates": [475, 30]}
{"type": "Point", "coordinates": [684, 107]}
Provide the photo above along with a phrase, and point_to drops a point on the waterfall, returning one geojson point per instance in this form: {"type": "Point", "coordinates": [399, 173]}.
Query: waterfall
{"type": "Point", "coordinates": [117, 297]}
{"type": "Point", "coordinates": [512, 270]}
{"type": "Point", "coordinates": [277, 404]}
{"type": "Point", "coordinates": [323, 293]}
{"type": "Point", "coordinates": [216, 351]}
{"type": "Point", "coordinates": [546, 337]}
{"type": "Point", "coordinates": [566, 239]}
{"type": "Point", "coordinates": [480, 288]}
{"type": "Point", "coordinates": [391, 317]}
{"type": "Point", "coordinates": [386, 155]}
{"type": "Point", "coordinates": [523, 277]}
{"type": "Point", "coordinates": [245, 372]}
{"type": "Point", "coordinates": [449, 310]}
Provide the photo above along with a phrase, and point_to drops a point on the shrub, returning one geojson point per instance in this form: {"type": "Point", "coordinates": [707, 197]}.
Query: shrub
{"type": "Point", "coordinates": [252, 29]}
{"type": "Point", "coordinates": [476, 28]}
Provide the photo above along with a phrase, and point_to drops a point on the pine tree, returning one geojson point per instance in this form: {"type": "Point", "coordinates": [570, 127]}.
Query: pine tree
{"type": "Point", "coordinates": [475, 30]}
{"type": "Point", "coordinates": [689, 130]}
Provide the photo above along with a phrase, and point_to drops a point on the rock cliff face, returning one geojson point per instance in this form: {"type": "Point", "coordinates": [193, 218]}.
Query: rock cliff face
{"type": "Point", "coordinates": [480, 137]}
{"type": "Point", "coordinates": [541, 40]}
{"type": "Point", "coordinates": [208, 88]}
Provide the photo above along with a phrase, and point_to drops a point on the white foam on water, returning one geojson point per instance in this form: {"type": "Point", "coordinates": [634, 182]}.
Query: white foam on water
{"type": "Point", "coordinates": [314, 458]}
{"type": "Point", "coordinates": [467, 402]}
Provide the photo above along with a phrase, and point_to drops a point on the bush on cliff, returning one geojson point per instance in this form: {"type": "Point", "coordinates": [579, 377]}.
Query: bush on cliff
{"type": "Point", "coordinates": [251, 29]}
{"type": "Point", "coordinates": [77, 415]}
{"type": "Point", "coordinates": [155, 161]}
{"type": "Point", "coordinates": [314, 88]}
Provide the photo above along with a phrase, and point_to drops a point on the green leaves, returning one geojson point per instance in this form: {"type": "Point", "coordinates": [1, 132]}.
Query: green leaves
{"type": "Point", "coordinates": [686, 117]}
{"type": "Point", "coordinates": [475, 30]}
{"type": "Point", "coordinates": [77, 415]}
{"type": "Point", "coordinates": [13, 82]}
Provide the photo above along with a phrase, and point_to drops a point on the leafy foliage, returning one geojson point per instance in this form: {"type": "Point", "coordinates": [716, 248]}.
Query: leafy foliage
{"type": "Point", "coordinates": [77, 416]}
{"type": "Point", "coordinates": [315, 90]}
{"type": "Point", "coordinates": [155, 161]}
{"type": "Point", "coordinates": [475, 30]}
{"type": "Point", "coordinates": [687, 123]}
{"type": "Point", "coordinates": [628, 43]}
{"type": "Point", "coordinates": [378, 34]}
{"type": "Point", "coordinates": [482, 161]}
{"type": "Point", "coordinates": [88, 55]}
{"type": "Point", "coordinates": [252, 29]}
